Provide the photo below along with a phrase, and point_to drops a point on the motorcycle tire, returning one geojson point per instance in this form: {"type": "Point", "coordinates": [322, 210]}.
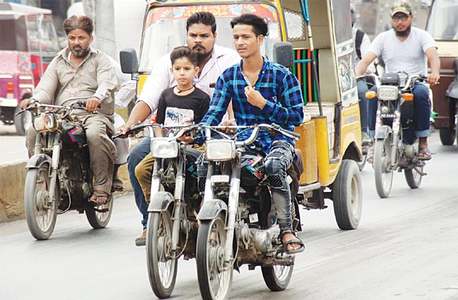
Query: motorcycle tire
{"type": "Point", "coordinates": [347, 195]}
{"type": "Point", "coordinates": [277, 277]}
{"type": "Point", "coordinates": [159, 234]}
{"type": "Point", "coordinates": [413, 177]}
{"type": "Point", "coordinates": [447, 136]}
{"type": "Point", "coordinates": [99, 217]}
{"type": "Point", "coordinates": [40, 220]}
{"type": "Point", "coordinates": [211, 238]}
{"type": "Point", "coordinates": [383, 178]}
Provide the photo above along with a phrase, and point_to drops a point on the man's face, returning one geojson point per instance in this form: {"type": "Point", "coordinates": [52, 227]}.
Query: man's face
{"type": "Point", "coordinates": [201, 40]}
{"type": "Point", "coordinates": [401, 23]}
{"type": "Point", "coordinates": [79, 42]}
{"type": "Point", "coordinates": [246, 42]}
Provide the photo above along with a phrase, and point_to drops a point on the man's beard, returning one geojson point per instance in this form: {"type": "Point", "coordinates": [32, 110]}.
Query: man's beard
{"type": "Point", "coordinates": [79, 52]}
{"type": "Point", "coordinates": [200, 55]}
{"type": "Point", "coordinates": [404, 33]}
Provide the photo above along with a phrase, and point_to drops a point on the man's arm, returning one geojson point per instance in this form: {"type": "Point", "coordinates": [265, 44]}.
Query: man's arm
{"type": "Point", "coordinates": [107, 81]}
{"type": "Point", "coordinates": [435, 63]}
{"type": "Point", "coordinates": [364, 63]}
{"type": "Point", "coordinates": [290, 109]}
{"type": "Point", "coordinates": [219, 102]}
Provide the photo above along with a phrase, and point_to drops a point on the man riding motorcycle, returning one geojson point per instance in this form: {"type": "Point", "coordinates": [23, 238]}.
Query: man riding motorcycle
{"type": "Point", "coordinates": [263, 92]}
{"type": "Point", "coordinates": [80, 73]}
{"type": "Point", "coordinates": [406, 49]}
{"type": "Point", "coordinates": [212, 61]}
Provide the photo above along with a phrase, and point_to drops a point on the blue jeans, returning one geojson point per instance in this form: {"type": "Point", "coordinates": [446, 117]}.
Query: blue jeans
{"type": "Point", "coordinates": [136, 155]}
{"type": "Point", "coordinates": [415, 119]}
{"type": "Point", "coordinates": [367, 109]}
{"type": "Point", "coordinates": [276, 164]}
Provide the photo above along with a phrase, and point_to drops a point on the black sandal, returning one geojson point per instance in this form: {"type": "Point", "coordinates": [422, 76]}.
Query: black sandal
{"type": "Point", "coordinates": [292, 241]}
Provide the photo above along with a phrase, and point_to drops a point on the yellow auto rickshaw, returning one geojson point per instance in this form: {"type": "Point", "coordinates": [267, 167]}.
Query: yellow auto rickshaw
{"type": "Point", "coordinates": [320, 39]}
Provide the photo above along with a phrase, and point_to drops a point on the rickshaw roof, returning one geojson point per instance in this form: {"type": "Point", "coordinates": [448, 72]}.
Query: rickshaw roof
{"type": "Point", "coordinates": [18, 10]}
{"type": "Point", "coordinates": [159, 2]}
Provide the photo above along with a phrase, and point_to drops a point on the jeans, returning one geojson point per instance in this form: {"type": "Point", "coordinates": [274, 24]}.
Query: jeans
{"type": "Point", "coordinates": [136, 155]}
{"type": "Point", "coordinates": [367, 108]}
{"type": "Point", "coordinates": [415, 120]}
{"type": "Point", "coordinates": [276, 164]}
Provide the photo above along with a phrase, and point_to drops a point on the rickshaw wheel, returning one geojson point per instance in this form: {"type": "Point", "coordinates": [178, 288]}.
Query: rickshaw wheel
{"type": "Point", "coordinates": [347, 195]}
{"type": "Point", "coordinates": [447, 136]}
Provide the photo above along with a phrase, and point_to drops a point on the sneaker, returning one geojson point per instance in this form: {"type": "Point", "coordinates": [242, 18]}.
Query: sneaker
{"type": "Point", "coordinates": [141, 240]}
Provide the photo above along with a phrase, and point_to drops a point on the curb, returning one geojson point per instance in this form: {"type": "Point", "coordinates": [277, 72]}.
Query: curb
{"type": "Point", "coordinates": [12, 178]}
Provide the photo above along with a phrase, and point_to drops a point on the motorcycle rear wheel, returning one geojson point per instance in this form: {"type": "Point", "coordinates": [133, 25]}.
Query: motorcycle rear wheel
{"type": "Point", "coordinates": [383, 177]}
{"type": "Point", "coordinates": [214, 277]}
{"type": "Point", "coordinates": [413, 177]}
{"type": "Point", "coordinates": [40, 214]}
{"type": "Point", "coordinates": [99, 217]}
{"type": "Point", "coordinates": [162, 266]}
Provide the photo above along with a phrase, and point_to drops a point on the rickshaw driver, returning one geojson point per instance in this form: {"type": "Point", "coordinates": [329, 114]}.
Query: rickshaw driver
{"type": "Point", "coordinates": [80, 72]}
{"type": "Point", "coordinates": [212, 61]}
{"type": "Point", "coordinates": [405, 48]}
{"type": "Point", "coordinates": [263, 92]}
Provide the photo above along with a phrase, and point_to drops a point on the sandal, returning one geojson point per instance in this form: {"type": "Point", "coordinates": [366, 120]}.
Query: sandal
{"type": "Point", "coordinates": [292, 241]}
{"type": "Point", "coordinates": [98, 200]}
{"type": "Point", "coordinates": [424, 154]}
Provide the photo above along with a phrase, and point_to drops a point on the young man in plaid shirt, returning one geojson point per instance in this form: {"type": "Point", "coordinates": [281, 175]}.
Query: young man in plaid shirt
{"type": "Point", "coordinates": [263, 92]}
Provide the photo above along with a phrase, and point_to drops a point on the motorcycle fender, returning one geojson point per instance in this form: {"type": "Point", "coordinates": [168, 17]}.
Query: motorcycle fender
{"type": "Point", "coordinates": [160, 201]}
{"type": "Point", "coordinates": [211, 208]}
{"type": "Point", "coordinates": [35, 161]}
{"type": "Point", "coordinates": [382, 133]}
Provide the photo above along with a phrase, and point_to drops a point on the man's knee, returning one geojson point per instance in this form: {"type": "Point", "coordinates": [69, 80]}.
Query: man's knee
{"type": "Point", "coordinates": [275, 169]}
{"type": "Point", "coordinates": [421, 95]}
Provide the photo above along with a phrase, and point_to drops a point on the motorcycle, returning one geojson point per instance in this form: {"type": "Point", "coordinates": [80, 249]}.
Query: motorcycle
{"type": "Point", "coordinates": [394, 115]}
{"type": "Point", "coordinates": [173, 206]}
{"type": "Point", "coordinates": [59, 176]}
{"type": "Point", "coordinates": [237, 224]}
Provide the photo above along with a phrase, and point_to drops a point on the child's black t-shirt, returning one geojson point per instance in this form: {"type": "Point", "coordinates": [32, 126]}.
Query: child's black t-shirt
{"type": "Point", "coordinates": [182, 110]}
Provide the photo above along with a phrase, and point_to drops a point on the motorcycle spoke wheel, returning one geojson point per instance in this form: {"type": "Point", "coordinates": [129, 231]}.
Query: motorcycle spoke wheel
{"type": "Point", "coordinates": [382, 167]}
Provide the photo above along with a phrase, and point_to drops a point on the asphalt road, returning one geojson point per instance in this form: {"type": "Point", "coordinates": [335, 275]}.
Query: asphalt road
{"type": "Point", "coordinates": [405, 248]}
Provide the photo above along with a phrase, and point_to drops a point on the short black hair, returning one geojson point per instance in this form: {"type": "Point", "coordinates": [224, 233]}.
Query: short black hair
{"type": "Point", "coordinates": [259, 25]}
{"type": "Point", "coordinates": [202, 17]}
{"type": "Point", "coordinates": [183, 51]}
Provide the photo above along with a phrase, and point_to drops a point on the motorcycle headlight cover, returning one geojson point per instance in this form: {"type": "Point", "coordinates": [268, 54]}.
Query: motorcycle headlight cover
{"type": "Point", "coordinates": [163, 147]}
{"type": "Point", "coordinates": [388, 93]}
{"type": "Point", "coordinates": [220, 150]}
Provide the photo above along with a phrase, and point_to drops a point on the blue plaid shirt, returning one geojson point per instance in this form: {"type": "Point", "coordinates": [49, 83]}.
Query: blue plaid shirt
{"type": "Point", "coordinates": [277, 85]}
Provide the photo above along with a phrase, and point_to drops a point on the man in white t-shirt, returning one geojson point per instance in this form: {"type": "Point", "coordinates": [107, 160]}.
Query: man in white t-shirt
{"type": "Point", "coordinates": [407, 49]}
{"type": "Point", "coordinates": [212, 61]}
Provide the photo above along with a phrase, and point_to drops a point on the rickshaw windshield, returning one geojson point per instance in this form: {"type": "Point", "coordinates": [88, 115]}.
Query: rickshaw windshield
{"type": "Point", "coordinates": [443, 21]}
{"type": "Point", "coordinates": [165, 28]}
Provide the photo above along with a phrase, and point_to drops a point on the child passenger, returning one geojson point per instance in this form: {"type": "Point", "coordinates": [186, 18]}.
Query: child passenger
{"type": "Point", "coordinates": [183, 104]}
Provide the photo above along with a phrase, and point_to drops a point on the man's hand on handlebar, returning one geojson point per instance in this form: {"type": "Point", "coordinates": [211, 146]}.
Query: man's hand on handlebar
{"type": "Point", "coordinates": [92, 104]}
{"type": "Point", "coordinates": [433, 78]}
{"type": "Point", "coordinates": [24, 103]}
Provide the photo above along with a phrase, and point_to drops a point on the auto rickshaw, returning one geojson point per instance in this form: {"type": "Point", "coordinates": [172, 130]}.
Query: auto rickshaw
{"type": "Point", "coordinates": [443, 26]}
{"type": "Point", "coordinates": [316, 43]}
{"type": "Point", "coordinates": [28, 44]}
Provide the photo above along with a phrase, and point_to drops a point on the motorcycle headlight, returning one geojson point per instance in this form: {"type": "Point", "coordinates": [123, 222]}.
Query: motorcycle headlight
{"type": "Point", "coordinates": [388, 93]}
{"type": "Point", "coordinates": [162, 147]}
{"type": "Point", "coordinates": [220, 150]}
{"type": "Point", "coordinates": [45, 122]}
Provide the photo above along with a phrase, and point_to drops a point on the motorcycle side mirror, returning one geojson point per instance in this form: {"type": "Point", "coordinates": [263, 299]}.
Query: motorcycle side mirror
{"type": "Point", "coordinates": [283, 54]}
{"type": "Point", "coordinates": [129, 61]}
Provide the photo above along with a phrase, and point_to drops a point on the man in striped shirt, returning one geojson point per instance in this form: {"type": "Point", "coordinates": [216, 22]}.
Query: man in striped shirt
{"type": "Point", "coordinates": [263, 92]}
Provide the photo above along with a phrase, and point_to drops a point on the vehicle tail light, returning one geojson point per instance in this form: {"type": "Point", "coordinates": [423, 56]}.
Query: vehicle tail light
{"type": "Point", "coordinates": [370, 95]}
{"type": "Point", "coordinates": [407, 97]}
{"type": "Point", "coordinates": [9, 87]}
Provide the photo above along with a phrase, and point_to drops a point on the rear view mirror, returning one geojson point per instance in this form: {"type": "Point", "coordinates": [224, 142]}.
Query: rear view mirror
{"type": "Point", "coordinates": [129, 61]}
{"type": "Point", "coordinates": [283, 54]}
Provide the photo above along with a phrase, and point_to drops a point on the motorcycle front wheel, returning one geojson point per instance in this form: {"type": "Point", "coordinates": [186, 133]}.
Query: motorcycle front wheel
{"type": "Point", "coordinates": [162, 265]}
{"type": "Point", "coordinates": [39, 211]}
{"type": "Point", "coordinates": [382, 170]}
{"type": "Point", "coordinates": [214, 275]}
